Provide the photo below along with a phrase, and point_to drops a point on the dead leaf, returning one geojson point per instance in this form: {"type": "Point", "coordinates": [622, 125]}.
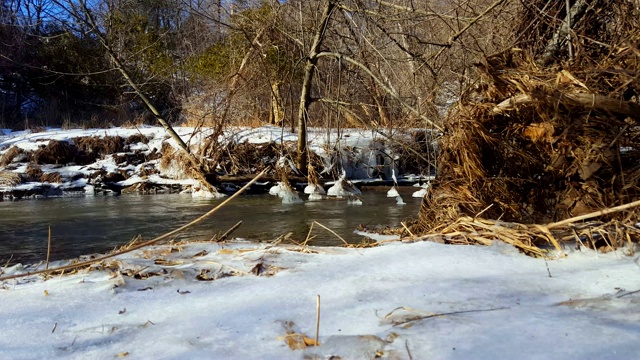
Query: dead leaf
{"type": "Point", "coordinates": [299, 341]}
{"type": "Point", "coordinates": [145, 289]}
{"type": "Point", "coordinates": [165, 262]}
{"type": "Point", "coordinates": [201, 253]}
{"type": "Point", "coordinates": [234, 251]}
{"type": "Point", "coordinates": [204, 275]}
{"type": "Point", "coordinates": [587, 170]}
{"type": "Point", "coordinates": [539, 132]}
{"type": "Point", "coordinates": [124, 310]}
{"type": "Point", "coordinates": [259, 269]}
{"type": "Point", "coordinates": [123, 354]}
{"type": "Point", "coordinates": [46, 293]}
{"type": "Point", "coordinates": [183, 292]}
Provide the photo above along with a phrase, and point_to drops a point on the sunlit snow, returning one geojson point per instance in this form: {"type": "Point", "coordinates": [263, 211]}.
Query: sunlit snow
{"type": "Point", "coordinates": [418, 300]}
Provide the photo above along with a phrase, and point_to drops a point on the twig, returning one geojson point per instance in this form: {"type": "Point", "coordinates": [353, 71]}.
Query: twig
{"type": "Point", "coordinates": [593, 214]}
{"type": "Point", "coordinates": [317, 320]}
{"type": "Point", "coordinates": [48, 249]}
{"type": "Point", "coordinates": [306, 240]}
{"type": "Point", "coordinates": [333, 232]}
{"type": "Point", "coordinates": [449, 313]}
{"type": "Point", "coordinates": [482, 212]}
{"type": "Point", "coordinates": [229, 232]}
{"type": "Point", "coordinates": [406, 228]}
{"type": "Point", "coordinates": [628, 293]}
{"type": "Point", "coordinates": [144, 244]}
{"type": "Point", "coordinates": [406, 346]}
{"type": "Point", "coordinates": [547, 264]}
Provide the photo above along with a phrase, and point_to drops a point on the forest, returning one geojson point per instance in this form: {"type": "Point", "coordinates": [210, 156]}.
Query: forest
{"type": "Point", "coordinates": [353, 63]}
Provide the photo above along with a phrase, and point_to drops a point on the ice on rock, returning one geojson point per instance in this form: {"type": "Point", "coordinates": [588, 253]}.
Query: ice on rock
{"type": "Point", "coordinates": [286, 193]}
{"type": "Point", "coordinates": [290, 197]}
{"type": "Point", "coordinates": [354, 201]}
{"type": "Point", "coordinates": [422, 192]}
{"type": "Point", "coordinates": [315, 197]}
{"type": "Point", "coordinates": [314, 189]}
{"type": "Point", "coordinates": [89, 189]}
{"type": "Point", "coordinates": [199, 192]}
{"type": "Point", "coordinates": [399, 200]}
{"type": "Point", "coordinates": [343, 187]}
{"type": "Point", "coordinates": [393, 192]}
{"type": "Point", "coordinates": [276, 189]}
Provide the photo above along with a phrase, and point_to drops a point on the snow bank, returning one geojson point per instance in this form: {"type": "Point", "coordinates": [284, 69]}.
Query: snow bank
{"type": "Point", "coordinates": [417, 300]}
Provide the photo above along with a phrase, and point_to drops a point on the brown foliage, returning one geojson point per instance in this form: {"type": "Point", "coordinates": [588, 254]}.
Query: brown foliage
{"type": "Point", "coordinates": [96, 147]}
{"type": "Point", "coordinates": [532, 150]}
{"type": "Point", "coordinates": [57, 152]}
{"type": "Point", "coordinates": [137, 138]}
{"type": "Point", "coordinates": [52, 177]}
{"type": "Point", "coordinates": [8, 178]}
{"type": "Point", "coordinates": [11, 154]}
{"type": "Point", "coordinates": [34, 172]}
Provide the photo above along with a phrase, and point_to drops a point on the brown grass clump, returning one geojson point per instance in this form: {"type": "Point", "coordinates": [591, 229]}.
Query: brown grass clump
{"type": "Point", "coordinates": [11, 154]}
{"type": "Point", "coordinates": [137, 138]}
{"type": "Point", "coordinates": [96, 147]}
{"type": "Point", "coordinates": [52, 177]}
{"type": "Point", "coordinates": [56, 152]}
{"type": "Point", "coordinates": [8, 178]}
{"type": "Point", "coordinates": [534, 151]}
{"type": "Point", "coordinates": [34, 172]}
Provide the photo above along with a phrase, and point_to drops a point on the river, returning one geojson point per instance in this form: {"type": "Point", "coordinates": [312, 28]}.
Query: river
{"type": "Point", "coordinates": [86, 225]}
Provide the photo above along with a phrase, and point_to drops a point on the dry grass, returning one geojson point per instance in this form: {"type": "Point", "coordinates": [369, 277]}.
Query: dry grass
{"type": "Point", "coordinates": [96, 147]}
{"type": "Point", "coordinates": [137, 138]}
{"type": "Point", "coordinates": [34, 172]}
{"type": "Point", "coordinates": [56, 152]}
{"type": "Point", "coordinates": [11, 154]}
{"type": "Point", "coordinates": [52, 177]}
{"type": "Point", "coordinates": [8, 178]}
{"type": "Point", "coordinates": [535, 143]}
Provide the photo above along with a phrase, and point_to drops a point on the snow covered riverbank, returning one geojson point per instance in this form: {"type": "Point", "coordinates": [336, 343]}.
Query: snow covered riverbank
{"type": "Point", "coordinates": [146, 159]}
{"type": "Point", "coordinates": [417, 300]}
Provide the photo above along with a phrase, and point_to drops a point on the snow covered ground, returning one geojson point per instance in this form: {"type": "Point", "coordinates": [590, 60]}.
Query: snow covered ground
{"type": "Point", "coordinates": [411, 300]}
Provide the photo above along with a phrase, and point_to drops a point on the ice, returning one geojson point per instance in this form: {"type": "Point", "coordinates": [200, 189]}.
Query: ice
{"type": "Point", "coordinates": [393, 192]}
{"type": "Point", "coordinates": [343, 187]}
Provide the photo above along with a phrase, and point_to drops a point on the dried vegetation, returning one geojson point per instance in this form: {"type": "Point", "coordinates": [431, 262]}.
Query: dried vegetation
{"type": "Point", "coordinates": [538, 141]}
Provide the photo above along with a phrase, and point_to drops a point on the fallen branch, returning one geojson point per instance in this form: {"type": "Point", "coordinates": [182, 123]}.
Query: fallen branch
{"type": "Point", "coordinates": [589, 101]}
{"type": "Point", "coordinates": [139, 246]}
{"type": "Point", "coordinates": [593, 214]}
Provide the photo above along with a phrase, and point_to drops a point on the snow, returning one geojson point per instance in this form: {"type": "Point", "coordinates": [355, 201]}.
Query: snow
{"type": "Point", "coordinates": [422, 192]}
{"type": "Point", "coordinates": [419, 300]}
{"type": "Point", "coordinates": [343, 187]}
{"type": "Point", "coordinates": [288, 195]}
{"type": "Point", "coordinates": [314, 189]}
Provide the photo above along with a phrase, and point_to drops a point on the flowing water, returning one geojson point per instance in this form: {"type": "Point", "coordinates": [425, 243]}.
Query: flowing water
{"type": "Point", "coordinates": [86, 225]}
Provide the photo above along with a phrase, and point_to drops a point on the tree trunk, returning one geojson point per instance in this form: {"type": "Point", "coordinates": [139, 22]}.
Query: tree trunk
{"type": "Point", "coordinates": [305, 94]}
{"type": "Point", "coordinates": [277, 112]}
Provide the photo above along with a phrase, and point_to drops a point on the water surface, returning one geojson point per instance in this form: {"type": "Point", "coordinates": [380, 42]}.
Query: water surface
{"type": "Point", "coordinates": [86, 225]}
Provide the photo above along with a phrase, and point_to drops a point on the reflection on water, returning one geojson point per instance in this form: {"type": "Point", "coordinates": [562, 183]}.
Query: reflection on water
{"type": "Point", "coordinates": [85, 225]}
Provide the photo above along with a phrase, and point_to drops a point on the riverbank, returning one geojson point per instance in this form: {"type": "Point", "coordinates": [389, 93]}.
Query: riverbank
{"type": "Point", "coordinates": [57, 162]}
{"type": "Point", "coordinates": [397, 301]}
